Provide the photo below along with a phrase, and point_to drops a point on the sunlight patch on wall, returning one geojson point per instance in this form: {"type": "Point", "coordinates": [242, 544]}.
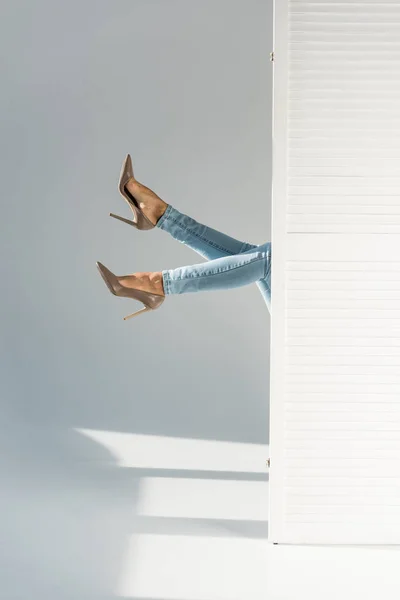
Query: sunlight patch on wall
{"type": "Point", "coordinates": [162, 452]}
{"type": "Point", "coordinates": [203, 498]}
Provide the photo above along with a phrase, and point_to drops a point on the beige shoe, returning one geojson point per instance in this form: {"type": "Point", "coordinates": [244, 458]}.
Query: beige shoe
{"type": "Point", "coordinates": [150, 300]}
{"type": "Point", "coordinates": [140, 220]}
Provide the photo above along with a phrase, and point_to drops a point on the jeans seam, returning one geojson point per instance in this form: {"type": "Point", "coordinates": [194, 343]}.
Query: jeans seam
{"type": "Point", "coordinates": [203, 239]}
{"type": "Point", "coordinates": [219, 272]}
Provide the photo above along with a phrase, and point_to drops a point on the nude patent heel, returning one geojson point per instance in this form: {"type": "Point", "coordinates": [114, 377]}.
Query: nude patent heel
{"type": "Point", "coordinates": [150, 300]}
{"type": "Point", "coordinates": [142, 310]}
{"type": "Point", "coordinates": [140, 220]}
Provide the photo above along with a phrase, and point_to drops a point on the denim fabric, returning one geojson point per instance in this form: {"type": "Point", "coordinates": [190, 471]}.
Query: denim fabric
{"type": "Point", "coordinates": [230, 262]}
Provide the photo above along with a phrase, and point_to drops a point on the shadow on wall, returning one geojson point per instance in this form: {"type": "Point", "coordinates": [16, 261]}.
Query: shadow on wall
{"type": "Point", "coordinates": [73, 509]}
{"type": "Point", "coordinates": [68, 511]}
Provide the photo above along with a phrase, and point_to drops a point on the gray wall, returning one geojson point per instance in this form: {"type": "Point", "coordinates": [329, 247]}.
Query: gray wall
{"type": "Point", "coordinates": [185, 87]}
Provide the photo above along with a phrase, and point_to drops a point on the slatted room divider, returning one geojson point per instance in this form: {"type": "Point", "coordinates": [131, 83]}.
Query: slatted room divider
{"type": "Point", "coordinates": [335, 312]}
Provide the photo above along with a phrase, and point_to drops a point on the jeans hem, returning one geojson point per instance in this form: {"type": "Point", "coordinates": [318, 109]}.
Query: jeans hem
{"type": "Point", "coordinates": [164, 216]}
{"type": "Point", "coordinates": [166, 282]}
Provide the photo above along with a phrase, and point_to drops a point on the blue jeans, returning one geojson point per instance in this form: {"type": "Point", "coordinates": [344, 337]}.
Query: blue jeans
{"type": "Point", "coordinates": [231, 263]}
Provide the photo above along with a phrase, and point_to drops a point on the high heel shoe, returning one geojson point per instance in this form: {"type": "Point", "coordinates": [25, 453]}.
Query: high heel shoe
{"type": "Point", "coordinates": [151, 301]}
{"type": "Point", "coordinates": [140, 221]}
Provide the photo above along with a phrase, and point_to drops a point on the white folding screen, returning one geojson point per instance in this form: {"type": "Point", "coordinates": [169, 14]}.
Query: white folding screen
{"type": "Point", "coordinates": [335, 311]}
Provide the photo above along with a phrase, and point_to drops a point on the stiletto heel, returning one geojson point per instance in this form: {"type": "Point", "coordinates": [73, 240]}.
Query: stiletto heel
{"type": "Point", "coordinates": [140, 220]}
{"type": "Point", "coordinates": [150, 300]}
{"type": "Point", "coordinates": [142, 310]}
{"type": "Point", "coordinates": [123, 219]}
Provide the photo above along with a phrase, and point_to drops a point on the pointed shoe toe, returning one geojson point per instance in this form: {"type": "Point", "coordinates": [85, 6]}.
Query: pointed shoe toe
{"type": "Point", "coordinates": [140, 220]}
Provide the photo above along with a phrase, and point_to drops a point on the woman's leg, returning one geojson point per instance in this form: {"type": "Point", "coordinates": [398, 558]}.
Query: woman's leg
{"type": "Point", "coordinates": [213, 244]}
{"type": "Point", "coordinates": [206, 241]}
{"type": "Point", "coordinates": [221, 273]}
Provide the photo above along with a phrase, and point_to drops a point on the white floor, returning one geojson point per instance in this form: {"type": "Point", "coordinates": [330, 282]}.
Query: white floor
{"type": "Point", "coordinates": [201, 533]}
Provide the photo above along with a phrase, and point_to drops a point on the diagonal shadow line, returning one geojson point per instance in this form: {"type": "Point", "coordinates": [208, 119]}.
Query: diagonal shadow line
{"type": "Point", "coordinates": [197, 474]}
{"type": "Point", "coordinates": [200, 527]}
